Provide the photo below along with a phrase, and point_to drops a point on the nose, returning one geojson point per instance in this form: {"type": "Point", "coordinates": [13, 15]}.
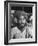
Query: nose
{"type": "Point", "coordinates": [21, 21]}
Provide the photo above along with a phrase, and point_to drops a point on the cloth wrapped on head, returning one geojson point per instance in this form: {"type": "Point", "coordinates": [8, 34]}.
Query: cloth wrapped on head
{"type": "Point", "coordinates": [17, 15]}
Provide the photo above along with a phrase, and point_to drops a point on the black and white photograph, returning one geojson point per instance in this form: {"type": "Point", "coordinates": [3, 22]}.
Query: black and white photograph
{"type": "Point", "coordinates": [20, 22]}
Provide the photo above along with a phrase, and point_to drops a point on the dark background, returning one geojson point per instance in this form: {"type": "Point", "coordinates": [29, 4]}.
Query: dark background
{"type": "Point", "coordinates": [26, 9]}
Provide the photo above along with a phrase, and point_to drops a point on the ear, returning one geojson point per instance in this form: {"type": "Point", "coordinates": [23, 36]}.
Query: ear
{"type": "Point", "coordinates": [15, 20]}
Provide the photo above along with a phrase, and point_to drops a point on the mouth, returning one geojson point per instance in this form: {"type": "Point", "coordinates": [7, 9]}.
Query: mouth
{"type": "Point", "coordinates": [21, 24]}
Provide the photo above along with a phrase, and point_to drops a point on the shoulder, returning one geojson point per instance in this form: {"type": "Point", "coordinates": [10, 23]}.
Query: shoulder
{"type": "Point", "coordinates": [15, 30]}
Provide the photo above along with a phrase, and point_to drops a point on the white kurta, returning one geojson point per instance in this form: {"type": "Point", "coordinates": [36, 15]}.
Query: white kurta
{"type": "Point", "coordinates": [16, 33]}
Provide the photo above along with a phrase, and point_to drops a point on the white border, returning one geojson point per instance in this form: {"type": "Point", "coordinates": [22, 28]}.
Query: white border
{"type": "Point", "coordinates": [25, 40]}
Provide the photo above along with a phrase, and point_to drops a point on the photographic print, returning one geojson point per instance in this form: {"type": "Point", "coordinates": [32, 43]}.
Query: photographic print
{"type": "Point", "coordinates": [20, 22]}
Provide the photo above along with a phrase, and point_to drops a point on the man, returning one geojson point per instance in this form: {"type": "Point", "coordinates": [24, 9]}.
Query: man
{"type": "Point", "coordinates": [21, 30]}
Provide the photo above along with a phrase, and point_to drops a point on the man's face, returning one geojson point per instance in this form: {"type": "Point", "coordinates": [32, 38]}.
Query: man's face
{"type": "Point", "coordinates": [22, 21]}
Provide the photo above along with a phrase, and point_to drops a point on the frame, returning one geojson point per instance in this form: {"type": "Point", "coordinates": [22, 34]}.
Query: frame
{"type": "Point", "coordinates": [7, 8]}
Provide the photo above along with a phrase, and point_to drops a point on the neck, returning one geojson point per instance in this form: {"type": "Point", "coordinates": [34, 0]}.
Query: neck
{"type": "Point", "coordinates": [21, 28]}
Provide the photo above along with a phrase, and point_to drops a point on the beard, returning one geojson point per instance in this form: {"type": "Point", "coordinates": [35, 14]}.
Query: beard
{"type": "Point", "coordinates": [21, 26]}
